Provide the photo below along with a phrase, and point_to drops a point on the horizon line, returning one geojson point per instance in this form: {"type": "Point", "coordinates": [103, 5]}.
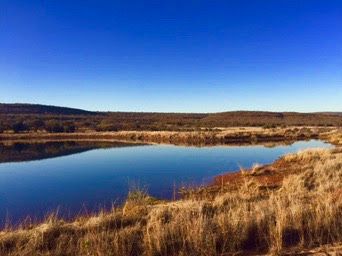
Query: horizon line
{"type": "Point", "coordinates": [165, 112]}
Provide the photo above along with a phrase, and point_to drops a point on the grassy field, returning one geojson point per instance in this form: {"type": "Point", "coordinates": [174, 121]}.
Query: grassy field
{"type": "Point", "coordinates": [290, 207]}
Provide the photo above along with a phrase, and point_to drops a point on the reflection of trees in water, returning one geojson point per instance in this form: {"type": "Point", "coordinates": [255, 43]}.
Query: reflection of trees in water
{"type": "Point", "coordinates": [19, 151]}
{"type": "Point", "coordinates": [22, 151]}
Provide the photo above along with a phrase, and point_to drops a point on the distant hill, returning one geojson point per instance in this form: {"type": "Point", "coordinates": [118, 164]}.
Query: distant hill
{"type": "Point", "coordinates": [59, 119]}
{"type": "Point", "coordinates": [330, 113]}
{"type": "Point", "coordinates": [21, 108]}
{"type": "Point", "coordinates": [248, 118]}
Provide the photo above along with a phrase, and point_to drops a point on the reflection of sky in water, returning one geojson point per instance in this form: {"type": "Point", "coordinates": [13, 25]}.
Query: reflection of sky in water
{"type": "Point", "coordinates": [98, 177]}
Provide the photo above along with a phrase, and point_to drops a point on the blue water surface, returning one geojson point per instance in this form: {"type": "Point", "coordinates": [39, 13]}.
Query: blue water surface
{"type": "Point", "coordinates": [88, 181]}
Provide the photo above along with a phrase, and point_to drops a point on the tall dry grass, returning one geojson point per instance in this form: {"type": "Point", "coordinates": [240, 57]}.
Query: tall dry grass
{"type": "Point", "coordinates": [305, 212]}
{"type": "Point", "coordinates": [333, 136]}
{"type": "Point", "coordinates": [199, 136]}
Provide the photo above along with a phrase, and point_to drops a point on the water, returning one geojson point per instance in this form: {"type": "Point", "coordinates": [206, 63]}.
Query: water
{"type": "Point", "coordinates": [83, 177]}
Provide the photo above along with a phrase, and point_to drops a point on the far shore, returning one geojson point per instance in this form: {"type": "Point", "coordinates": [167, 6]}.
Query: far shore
{"type": "Point", "coordinates": [219, 136]}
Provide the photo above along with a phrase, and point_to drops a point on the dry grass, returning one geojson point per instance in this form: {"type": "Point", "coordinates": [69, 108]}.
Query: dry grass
{"type": "Point", "coordinates": [334, 136]}
{"type": "Point", "coordinates": [304, 212]}
{"type": "Point", "coordinates": [235, 135]}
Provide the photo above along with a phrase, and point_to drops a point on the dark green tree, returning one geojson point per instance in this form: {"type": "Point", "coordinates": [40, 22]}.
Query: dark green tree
{"type": "Point", "coordinates": [19, 127]}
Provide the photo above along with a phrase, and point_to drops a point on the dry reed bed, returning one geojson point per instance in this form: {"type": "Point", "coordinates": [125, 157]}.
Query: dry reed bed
{"type": "Point", "coordinates": [304, 212]}
{"type": "Point", "coordinates": [334, 136]}
{"type": "Point", "coordinates": [203, 137]}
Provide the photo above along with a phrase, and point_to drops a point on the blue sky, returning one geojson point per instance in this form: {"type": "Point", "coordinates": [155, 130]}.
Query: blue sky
{"type": "Point", "coordinates": [174, 56]}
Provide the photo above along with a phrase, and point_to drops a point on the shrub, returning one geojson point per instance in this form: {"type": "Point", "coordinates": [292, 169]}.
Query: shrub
{"type": "Point", "coordinates": [19, 127]}
{"type": "Point", "coordinates": [107, 125]}
{"type": "Point", "coordinates": [269, 126]}
{"type": "Point", "coordinates": [69, 127]}
{"type": "Point", "coordinates": [54, 126]}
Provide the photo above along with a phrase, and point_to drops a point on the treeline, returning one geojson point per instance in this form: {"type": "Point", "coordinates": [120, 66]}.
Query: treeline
{"type": "Point", "coordinates": [272, 119]}
{"type": "Point", "coordinates": [19, 124]}
{"type": "Point", "coordinates": [70, 120]}
{"type": "Point", "coordinates": [101, 122]}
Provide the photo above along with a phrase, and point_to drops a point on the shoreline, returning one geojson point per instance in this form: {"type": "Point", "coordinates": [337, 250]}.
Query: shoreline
{"type": "Point", "coordinates": [229, 136]}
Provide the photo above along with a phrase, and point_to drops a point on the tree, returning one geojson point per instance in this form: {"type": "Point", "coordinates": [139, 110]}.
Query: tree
{"type": "Point", "coordinates": [53, 126]}
{"type": "Point", "coordinates": [69, 127]}
{"type": "Point", "coordinates": [19, 127]}
{"type": "Point", "coordinates": [106, 125]}
{"type": "Point", "coordinates": [34, 124]}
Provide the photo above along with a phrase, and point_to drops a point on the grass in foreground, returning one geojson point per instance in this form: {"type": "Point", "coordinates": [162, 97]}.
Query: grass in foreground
{"type": "Point", "coordinates": [242, 216]}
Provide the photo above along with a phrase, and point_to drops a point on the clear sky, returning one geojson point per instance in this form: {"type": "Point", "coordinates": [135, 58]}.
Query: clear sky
{"type": "Point", "coordinates": [175, 56]}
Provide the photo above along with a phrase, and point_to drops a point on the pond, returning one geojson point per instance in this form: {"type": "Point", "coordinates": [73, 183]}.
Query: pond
{"type": "Point", "coordinates": [80, 177]}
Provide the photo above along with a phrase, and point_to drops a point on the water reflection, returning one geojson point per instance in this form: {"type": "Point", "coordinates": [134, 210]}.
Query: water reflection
{"type": "Point", "coordinates": [103, 172]}
{"type": "Point", "coordinates": [21, 151]}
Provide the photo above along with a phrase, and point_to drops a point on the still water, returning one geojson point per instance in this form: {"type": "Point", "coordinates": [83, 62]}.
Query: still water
{"type": "Point", "coordinates": [75, 177]}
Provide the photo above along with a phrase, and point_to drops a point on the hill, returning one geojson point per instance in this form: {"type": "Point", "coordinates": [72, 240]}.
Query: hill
{"type": "Point", "coordinates": [261, 118]}
{"type": "Point", "coordinates": [22, 108]}
{"type": "Point", "coordinates": [33, 117]}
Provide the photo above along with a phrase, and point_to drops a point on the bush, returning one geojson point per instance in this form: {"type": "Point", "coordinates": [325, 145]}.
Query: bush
{"type": "Point", "coordinates": [34, 125]}
{"type": "Point", "coordinates": [19, 127]}
{"type": "Point", "coordinates": [107, 125]}
{"type": "Point", "coordinates": [269, 126]}
{"type": "Point", "coordinates": [54, 126]}
{"type": "Point", "coordinates": [69, 127]}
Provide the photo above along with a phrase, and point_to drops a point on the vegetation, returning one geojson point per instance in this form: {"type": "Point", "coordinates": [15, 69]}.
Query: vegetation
{"type": "Point", "coordinates": [333, 136]}
{"type": "Point", "coordinates": [27, 117]}
{"type": "Point", "coordinates": [241, 135]}
{"type": "Point", "coordinates": [243, 215]}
